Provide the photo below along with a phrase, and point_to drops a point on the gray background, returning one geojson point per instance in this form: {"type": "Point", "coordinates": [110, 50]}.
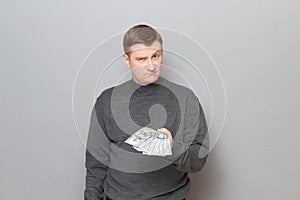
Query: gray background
{"type": "Point", "coordinates": [254, 43]}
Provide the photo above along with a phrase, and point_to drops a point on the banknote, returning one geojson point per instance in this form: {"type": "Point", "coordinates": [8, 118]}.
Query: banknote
{"type": "Point", "coordinates": [150, 142]}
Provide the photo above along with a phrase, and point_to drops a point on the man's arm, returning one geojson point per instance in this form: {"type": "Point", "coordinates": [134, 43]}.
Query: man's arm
{"type": "Point", "coordinates": [190, 154]}
{"type": "Point", "coordinates": [97, 156]}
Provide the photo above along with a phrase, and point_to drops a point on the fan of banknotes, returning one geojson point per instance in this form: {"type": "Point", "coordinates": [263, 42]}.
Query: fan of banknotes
{"type": "Point", "coordinates": [150, 142]}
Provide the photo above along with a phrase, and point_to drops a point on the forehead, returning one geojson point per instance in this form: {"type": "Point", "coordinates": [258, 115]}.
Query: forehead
{"type": "Point", "coordinates": [143, 49]}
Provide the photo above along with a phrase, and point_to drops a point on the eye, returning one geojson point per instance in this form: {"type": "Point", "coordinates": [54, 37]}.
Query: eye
{"type": "Point", "coordinates": [140, 59]}
{"type": "Point", "coordinates": [155, 56]}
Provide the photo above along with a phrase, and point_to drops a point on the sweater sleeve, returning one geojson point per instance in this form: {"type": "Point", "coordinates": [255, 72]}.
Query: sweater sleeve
{"type": "Point", "coordinates": [97, 156]}
{"type": "Point", "coordinates": [190, 153]}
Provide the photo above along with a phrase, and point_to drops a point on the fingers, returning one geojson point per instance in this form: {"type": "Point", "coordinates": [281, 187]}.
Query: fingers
{"type": "Point", "coordinates": [164, 130]}
{"type": "Point", "coordinates": [168, 133]}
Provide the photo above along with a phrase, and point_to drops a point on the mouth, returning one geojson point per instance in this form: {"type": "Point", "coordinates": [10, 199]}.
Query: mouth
{"type": "Point", "coordinates": [152, 73]}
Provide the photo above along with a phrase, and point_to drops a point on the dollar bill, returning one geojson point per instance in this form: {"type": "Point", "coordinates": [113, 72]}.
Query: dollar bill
{"type": "Point", "coordinates": [150, 142]}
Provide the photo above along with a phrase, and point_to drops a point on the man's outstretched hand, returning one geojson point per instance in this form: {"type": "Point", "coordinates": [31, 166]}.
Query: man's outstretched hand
{"type": "Point", "coordinates": [168, 133]}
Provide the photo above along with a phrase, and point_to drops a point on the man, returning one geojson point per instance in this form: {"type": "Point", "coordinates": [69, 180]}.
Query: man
{"type": "Point", "coordinates": [114, 167]}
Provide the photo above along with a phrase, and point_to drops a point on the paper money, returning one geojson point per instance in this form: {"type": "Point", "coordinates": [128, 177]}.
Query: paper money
{"type": "Point", "coordinates": [150, 142]}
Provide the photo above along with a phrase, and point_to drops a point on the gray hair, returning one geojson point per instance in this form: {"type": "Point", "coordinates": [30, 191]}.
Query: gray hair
{"type": "Point", "coordinates": [140, 34]}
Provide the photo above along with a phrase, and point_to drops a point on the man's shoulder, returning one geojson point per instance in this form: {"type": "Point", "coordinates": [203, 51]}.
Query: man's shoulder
{"type": "Point", "coordinates": [178, 88]}
{"type": "Point", "coordinates": [107, 93]}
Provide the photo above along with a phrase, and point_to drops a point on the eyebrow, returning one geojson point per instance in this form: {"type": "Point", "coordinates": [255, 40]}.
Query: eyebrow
{"type": "Point", "coordinates": [144, 57]}
{"type": "Point", "coordinates": [140, 57]}
{"type": "Point", "coordinates": [158, 51]}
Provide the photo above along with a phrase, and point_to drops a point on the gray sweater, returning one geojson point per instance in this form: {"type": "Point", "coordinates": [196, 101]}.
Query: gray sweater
{"type": "Point", "coordinates": [116, 168]}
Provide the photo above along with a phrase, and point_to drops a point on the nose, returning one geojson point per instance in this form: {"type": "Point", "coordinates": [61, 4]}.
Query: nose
{"type": "Point", "coordinates": [150, 66]}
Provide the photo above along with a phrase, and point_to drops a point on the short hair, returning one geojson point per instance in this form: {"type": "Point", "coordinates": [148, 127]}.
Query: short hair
{"type": "Point", "coordinates": [140, 34]}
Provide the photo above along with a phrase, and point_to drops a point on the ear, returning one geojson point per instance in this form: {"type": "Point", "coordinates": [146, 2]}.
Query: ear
{"type": "Point", "coordinates": [126, 60]}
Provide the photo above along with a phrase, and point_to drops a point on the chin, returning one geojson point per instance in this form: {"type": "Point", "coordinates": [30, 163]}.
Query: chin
{"type": "Point", "coordinates": [149, 80]}
{"type": "Point", "coordinates": [153, 79]}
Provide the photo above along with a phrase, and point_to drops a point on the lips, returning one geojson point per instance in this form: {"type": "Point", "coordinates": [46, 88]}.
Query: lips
{"type": "Point", "coordinates": [151, 73]}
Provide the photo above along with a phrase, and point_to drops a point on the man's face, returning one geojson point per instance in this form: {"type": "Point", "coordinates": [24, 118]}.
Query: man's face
{"type": "Point", "coordinates": [145, 62]}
